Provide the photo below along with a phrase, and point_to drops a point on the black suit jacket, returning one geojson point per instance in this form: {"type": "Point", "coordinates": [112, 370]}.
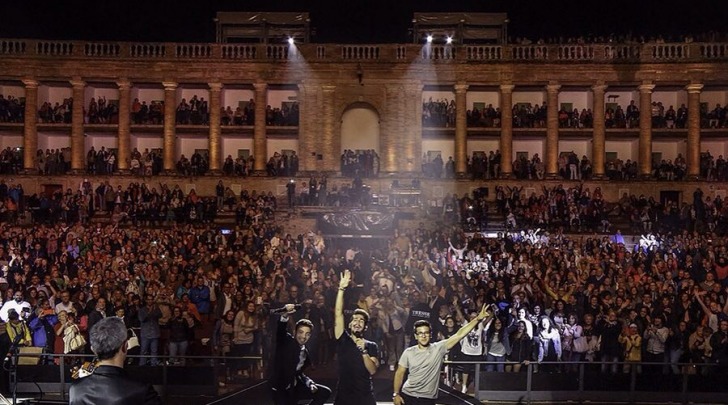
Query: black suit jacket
{"type": "Point", "coordinates": [110, 385]}
{"type": "Point", "coordinates": [286, 359]}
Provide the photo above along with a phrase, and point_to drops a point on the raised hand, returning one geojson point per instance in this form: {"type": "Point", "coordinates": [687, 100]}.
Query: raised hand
{"type": "Point", "coordinates": [345, 279]}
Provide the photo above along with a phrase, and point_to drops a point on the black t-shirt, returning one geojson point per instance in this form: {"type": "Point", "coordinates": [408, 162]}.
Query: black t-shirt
{"type": "Point", "coordinates": [354, 379]}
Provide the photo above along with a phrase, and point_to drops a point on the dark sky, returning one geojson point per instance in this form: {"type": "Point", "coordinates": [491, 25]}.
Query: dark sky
{"type": "Point", "coordinates": [350, 21]}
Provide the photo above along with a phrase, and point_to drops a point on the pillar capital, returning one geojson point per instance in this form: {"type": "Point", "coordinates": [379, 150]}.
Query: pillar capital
{"type": "Point", "coordinates": [694, 87]}
{"type": "Point", "coordinates": [461, 88]}
{"type": "Point", "coordinates": [507, 88]}
{"type": "Point", "coordinates": [170, 85]}
{"type": "Point", "coordinates": [553, 87]}
{"type": "Point", "coordinates": [599, 88]}
{"type": "Point", "coordinates": [646, 87]}
{"type": "Point", "coordinates": [77, 82]}
{"type": "Point", "coordinates": [123, 84]}
{"type": "Point", "coordinates": [30, 83]}
{"type": "Point", "coordinates": [260, 86]}
{"type": "Point", "coordinates": [215, 86]}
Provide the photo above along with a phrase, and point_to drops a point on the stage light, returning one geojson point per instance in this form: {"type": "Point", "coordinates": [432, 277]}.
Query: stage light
{"type": "Point", "coordinates": [429, 39]}
{"type": "Point", "coordinates": [448, 40]}
{"type": "Point", "coordinates": [291, 41]}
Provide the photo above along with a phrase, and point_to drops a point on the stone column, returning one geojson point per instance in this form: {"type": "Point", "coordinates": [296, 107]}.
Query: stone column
{"type": "Point", "coordinates": [214, 141]}
{"type": "Point", "coordinates": [124, 132]}
{"type": "Point", "coordinates": [461, 131]}
{"type": "Point", "coordinates": [306, 139]}
{"type": "Point", "coordinates": [78, 143]}
{"type": "Point", "coordinates": [170, 121]}
{"type": "Point", "coordinates": [506, 139]}
{"type": "Point", "coordinates": [598, 143]}
{"type": "Point", "coordinates": [645, 146]}
{"type": "Point", "coordinates": [30, 128]}
{"type": "Point", "coordinates": [331, 155]}
{"type": "Point", "coordinates": [552, 131]}
{"type": "Point", "coordinates": [693, 146]}
{"type": "Point", "coordinates": [260, 143]}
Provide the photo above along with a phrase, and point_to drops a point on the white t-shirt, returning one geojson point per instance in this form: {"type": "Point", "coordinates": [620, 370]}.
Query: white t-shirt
{"type": "Point", "coordinates": [424, 369]}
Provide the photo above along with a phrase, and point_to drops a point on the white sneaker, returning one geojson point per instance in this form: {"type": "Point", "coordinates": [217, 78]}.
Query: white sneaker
{"type": "Point", "coordinates": [391, 367]}
{"type": "Point", "coordinates": [464, 389]}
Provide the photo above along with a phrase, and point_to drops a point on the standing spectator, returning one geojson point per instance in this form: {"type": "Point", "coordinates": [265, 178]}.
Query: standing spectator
{"type": "Point", "coordinates": [245, 325]}
{"type": "Point", "coordinates": [149, 316]}
{"type": "Point", "coordinates": [180, 329]}
{"type": "Point", "coordinates": [719, 344]}
{"type": "Point", "coordinates": [41, 324]}
{"type": "Point", "coordinates": [548, 342]}
{"type": "Point", "coordinates": [655, 338]}
{"type": "Point", "coordinates": [609, 330]}
{"type": "Point", "coordinates": [632, 342]}
{"type": "Point", "coordinates": [200, 296]}
{"type": "Point", "coordinates": [521, 346]}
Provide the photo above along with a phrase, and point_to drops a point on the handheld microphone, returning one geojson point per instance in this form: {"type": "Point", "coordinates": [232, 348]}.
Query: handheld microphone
{"type": "Point", "coordinates": [284, 310]}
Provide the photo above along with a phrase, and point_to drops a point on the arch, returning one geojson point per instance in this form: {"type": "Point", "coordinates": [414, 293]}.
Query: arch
{"type": "Point", "coordinates": [360, 127]}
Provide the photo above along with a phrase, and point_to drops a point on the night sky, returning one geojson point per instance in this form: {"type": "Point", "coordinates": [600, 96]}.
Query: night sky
{"type": "Point", "coordinates": [350, 21]}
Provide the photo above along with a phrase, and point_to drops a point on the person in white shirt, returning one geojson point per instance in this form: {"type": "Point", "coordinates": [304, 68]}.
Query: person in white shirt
{"type": "Point", "coordinates": [21, 307]}
{"type": "Point", "coordinates": [65, 304]}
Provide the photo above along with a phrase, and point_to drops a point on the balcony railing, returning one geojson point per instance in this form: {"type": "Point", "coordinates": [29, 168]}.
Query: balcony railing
{"type": "Point", "coordinates": [573, 53]}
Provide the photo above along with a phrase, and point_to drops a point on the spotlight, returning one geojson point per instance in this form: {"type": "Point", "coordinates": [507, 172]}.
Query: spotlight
{"type": "Point", "coordinates": [448, 40]}
{"type": "Point", "coordinates": [291, 41]}
{"type": "Point", "coordinates": [429, 39]}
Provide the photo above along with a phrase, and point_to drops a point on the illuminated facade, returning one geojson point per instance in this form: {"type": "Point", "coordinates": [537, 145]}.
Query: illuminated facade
{"type": "Point", "coordinates": [375, 89]}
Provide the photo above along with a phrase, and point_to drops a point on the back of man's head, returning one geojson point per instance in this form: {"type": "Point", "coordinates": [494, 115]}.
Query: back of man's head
{"type": "Point", "coordinates": [107, 336]}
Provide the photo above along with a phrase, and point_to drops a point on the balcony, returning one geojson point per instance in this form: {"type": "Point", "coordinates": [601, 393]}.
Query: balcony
{"type": "Point", "coordinates": [386, 53]}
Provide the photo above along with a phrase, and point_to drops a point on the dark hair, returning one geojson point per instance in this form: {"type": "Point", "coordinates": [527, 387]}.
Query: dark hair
{"type": "Point", "coordinates": [421, 322]}
{"type": "Point", "coordinates": [304, 322]}
{"type": "Point", "coordinates": [363, 313]}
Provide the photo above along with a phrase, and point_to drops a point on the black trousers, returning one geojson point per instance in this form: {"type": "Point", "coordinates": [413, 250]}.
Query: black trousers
{"type": "Point", "coordinates": [408, 400]}
{"type": "Point", "coordinates": [291, 396]}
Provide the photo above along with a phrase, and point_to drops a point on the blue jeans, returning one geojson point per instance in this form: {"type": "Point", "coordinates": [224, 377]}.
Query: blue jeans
{"type": "Point", "coordinates": [177, 348]}
{"type": "Point", "coordinates": [500, 367]}
{"type": "Point", "coordinates": [149, 345]}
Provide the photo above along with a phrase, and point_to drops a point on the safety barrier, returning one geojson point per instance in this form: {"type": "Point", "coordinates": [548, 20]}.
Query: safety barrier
{"type": "Point", "coordinates": [594, 381]}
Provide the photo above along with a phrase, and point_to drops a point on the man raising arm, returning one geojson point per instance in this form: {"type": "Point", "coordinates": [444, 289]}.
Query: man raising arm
{"type": "Point", "coordinates": [424, 362]}
{"type": "Point", "coordinates": [358, 357]}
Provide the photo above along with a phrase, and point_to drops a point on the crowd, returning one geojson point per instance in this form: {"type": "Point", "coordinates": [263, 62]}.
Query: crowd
{"type": "Point", "coordinates": [589, 298]}
{"type": "Point", "coordinates": [361, 163]}
{"type": "Point", "coordinates": [56, 113]}
{"type": "Point", "coordinates": [11, 161]}
{"type": "Point", "coordinates": [102, 112]}
{"type": "Point", "coordinates": [12, 109]}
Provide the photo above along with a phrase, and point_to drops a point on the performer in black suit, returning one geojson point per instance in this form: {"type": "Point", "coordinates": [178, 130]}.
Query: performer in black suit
{"type": "Point", "coordinates": [288, 382]}
{"type": "Point", "coordinates": [109, 384]}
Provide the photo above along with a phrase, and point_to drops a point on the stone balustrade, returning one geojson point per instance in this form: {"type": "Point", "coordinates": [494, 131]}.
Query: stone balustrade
{"type": "Point", "coordinates": [576, 53]}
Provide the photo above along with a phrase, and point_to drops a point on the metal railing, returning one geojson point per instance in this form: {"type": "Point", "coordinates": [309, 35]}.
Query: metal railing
{"type": "Point", "coordinates": [614, 382]}
{"type": "Point", "coordinates": [61, 385]}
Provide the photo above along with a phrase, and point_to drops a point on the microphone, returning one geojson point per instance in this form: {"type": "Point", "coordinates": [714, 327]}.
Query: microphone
{"type": "Point", "coordinates": [283, 309]}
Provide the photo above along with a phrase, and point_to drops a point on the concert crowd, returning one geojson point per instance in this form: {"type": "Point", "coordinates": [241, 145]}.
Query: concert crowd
{"type": "Point", "coordinates": [192, 288]}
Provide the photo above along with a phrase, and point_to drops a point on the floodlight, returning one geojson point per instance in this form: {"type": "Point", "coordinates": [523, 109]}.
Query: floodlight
{"type": "Point", "coordinates": [429, 39]}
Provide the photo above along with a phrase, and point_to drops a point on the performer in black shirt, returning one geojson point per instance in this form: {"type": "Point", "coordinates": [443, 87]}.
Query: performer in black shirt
{"type": "Point", "coordinates": [358, 357]}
